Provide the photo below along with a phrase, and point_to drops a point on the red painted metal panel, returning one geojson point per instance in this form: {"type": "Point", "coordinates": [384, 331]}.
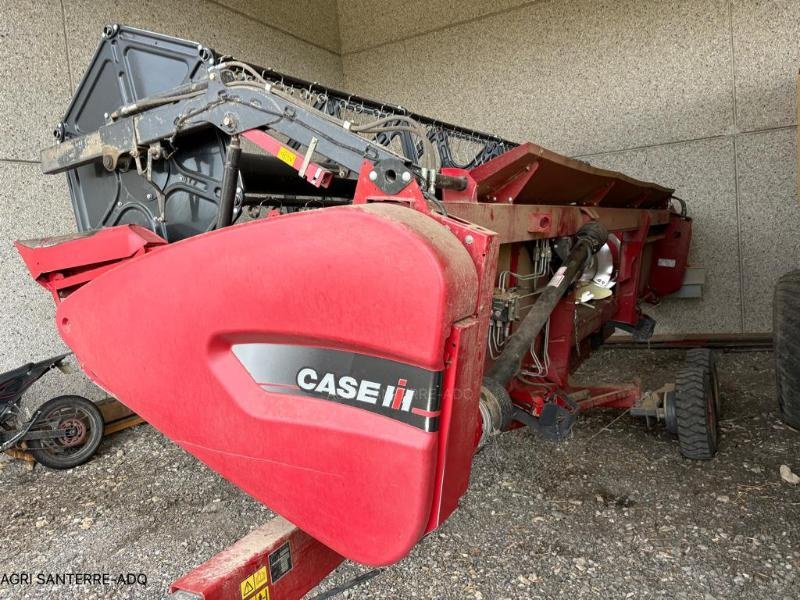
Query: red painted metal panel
{"type": "Point", "coordinates": [670, 257]}
{"type": "Point", "coordinates": [276, 561]}
{"type": "Point", "coordinates": [380, 280]}
{"type": "Point", "coordinates": [629, 279]}
{"type": "Point", "coordinates": [315, 174]}
{"type": "Point", "coordinates": [61, 263]}
{"type": "Point", "coordinates": [523, 222]}
{"type": "Point", "coordinates": [530, 174]}
{"type": "Point", "coordinates": [465, 357]}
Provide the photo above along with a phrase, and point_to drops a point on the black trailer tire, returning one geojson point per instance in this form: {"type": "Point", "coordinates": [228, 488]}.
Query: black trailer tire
{"type": "Point", "coordinates": [56, 454]}
{"type": "Point", "coordinates": [696, 414]}
{"type": "Point", "coordinates": [786, 332]}
{"type": "Point", "coordinates": [705, 358]}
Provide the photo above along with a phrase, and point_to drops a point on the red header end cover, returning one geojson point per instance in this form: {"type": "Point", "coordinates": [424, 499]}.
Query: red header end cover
{"type": "Point", "coordinates": [186, 336]}
{"type": "Point", "coordinates": [58, 263]}
{"type": "Point", "coordinates": [74, 251]}
{"type": "Point", "coordinates": [670, 258]}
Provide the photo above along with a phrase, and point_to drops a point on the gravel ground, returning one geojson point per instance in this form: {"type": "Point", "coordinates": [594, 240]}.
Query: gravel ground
{"type": "Point", "coordinates": [614, 512]}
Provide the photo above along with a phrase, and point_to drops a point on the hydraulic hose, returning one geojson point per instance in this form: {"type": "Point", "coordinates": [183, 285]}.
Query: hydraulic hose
{"type": "Point", "coordinates": [187, 90]}
{"type": "Point", "coordinates": [591, 238]}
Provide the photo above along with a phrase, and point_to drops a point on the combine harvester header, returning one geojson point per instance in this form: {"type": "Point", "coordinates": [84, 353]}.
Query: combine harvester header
{"type": "Point", "coordinates": [405, 289]}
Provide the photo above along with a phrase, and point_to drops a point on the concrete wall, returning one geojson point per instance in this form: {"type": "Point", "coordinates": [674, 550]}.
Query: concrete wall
{"type": "Point", "coordinates": [45, 45]}
{"type": "Point", "coordinates": [698, 95]}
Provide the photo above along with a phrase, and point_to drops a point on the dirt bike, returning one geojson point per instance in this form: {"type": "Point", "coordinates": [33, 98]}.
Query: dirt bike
{"type": "Point", "coordinates": [62, 433]}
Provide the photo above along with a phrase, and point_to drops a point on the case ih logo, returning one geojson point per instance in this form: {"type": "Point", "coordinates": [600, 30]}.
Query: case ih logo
{"type": "Point", "coordinates": [387, 388]}
{"type": "Point", "coordinates": [396, 397]}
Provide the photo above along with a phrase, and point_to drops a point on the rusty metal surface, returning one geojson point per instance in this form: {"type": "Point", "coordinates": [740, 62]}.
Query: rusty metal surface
{"type": "Point", "coordinates": [545, 177]}
{"type": "Point", "coordinates": [521, 222]}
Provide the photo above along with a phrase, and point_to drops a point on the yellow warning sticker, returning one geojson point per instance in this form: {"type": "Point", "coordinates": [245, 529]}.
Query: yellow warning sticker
{"type": "Point", "coordinates": [247, 587]}
{"type": "Point", "coordinates": [287, 156]}
{"type": "Point", "coordinates": [250, 584]}
{"type": "Point", "coordinates": [260, 577]}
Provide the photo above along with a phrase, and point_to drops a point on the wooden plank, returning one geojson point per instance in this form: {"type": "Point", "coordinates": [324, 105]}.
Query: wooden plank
{"type": "Point", "coordinates": [113, 410]}
{"type": "Point", "coordinates": [122, 424]}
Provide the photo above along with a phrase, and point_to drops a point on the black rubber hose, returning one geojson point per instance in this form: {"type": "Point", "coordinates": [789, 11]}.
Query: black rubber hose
{"type": "Point", "coordinates": [276, 200]}
{"type": "Point", "coordinates": [591, 238]}
{"type": "Point", "coordinates": [187, 90]}
{"type": "Point", "coordinates": [230, 179]}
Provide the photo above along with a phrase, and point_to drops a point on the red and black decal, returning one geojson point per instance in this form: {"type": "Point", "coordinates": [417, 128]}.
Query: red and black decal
{"type": "Point", "coordinates": [395, 390]}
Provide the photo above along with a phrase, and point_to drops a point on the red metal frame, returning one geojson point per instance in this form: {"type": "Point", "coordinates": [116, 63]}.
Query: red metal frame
{"type": "Point", "coordinates": [509, 195]}
{"type": "Point", "coordinates": [315, 174]}
{"type": "Point", "coordinates": [63, 264]}
{"type": "Point", "coordinates": [411, 286]}
{"type": "Point", "coordinates": [276, 561]}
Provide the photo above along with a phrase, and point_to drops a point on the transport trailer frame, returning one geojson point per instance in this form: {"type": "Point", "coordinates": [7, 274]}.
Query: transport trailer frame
{"type": "Point", "coordinates": [276, 561]}
{"type": "Point", "coordinates": [445, 299]}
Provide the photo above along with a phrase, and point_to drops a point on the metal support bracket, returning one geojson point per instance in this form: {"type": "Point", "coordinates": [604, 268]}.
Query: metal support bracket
{"type": "Point", "coordinates": [276, 561]}
{"type": "Point", "coordinates": [312, 172]}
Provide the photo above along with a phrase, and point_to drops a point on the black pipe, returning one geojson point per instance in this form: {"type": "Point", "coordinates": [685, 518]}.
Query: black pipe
{"type": "Point", "coordinates": [276, 200]}
{"type": "Point", "coordinates": [451, 182]}
{"type": "Point", "coordinates": [591, 238]}
{"type": "Point", "coordinates": [230, 179]}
